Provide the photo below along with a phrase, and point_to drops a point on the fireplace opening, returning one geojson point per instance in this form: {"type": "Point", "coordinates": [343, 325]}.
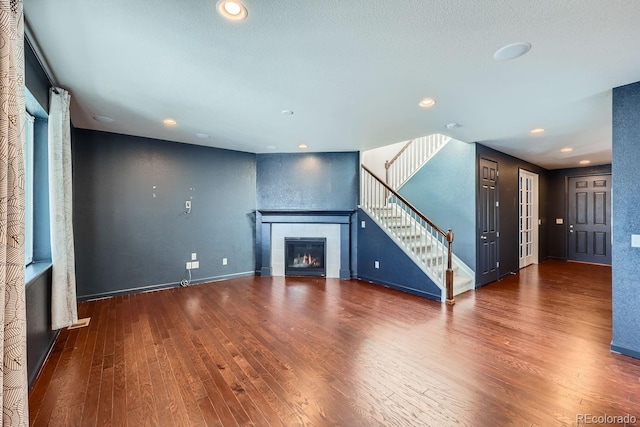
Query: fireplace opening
{"type": "Point", "coordinates": [305, 256]}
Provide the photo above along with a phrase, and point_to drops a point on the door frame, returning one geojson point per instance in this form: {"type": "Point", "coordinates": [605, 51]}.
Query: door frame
{"type": "Point", "coordinates": [567, 178]}
{"type": "Point", "coordinates": [535, 217]}
{"type": "Point", "coordinates": [479, 282]}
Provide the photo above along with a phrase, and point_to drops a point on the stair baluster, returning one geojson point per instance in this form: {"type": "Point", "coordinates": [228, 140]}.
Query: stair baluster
{"type": "Point", "coordinates": [428, 243]}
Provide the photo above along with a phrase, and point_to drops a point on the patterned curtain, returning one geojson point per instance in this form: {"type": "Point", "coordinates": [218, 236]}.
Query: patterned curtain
{"type": "Point", "coordinates": [12, 295]}
{"type": "Point", "coordinates": [64, 307]}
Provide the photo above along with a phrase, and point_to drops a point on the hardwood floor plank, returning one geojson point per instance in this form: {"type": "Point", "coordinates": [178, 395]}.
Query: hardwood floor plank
{"type": "Point", "coordinates": [132, 385]}
{"type": "Point", "coordinates": [209, 412]}
{"type": "Point", "coordinates": [105, 405]}
{"type": "Point", "coordinates": [98, 325]}
{"type": "Point", "coordinates": [219, 404]}
{"type": "Point", "coordinates": [190, 401]}
{"type": "Point", "coordinates": [531, 349]}
{"type": "Point", "coordinates": [215, 365]}
{"type": "Point", "coordinates": [175, 403]}
{"type": "Point", "coordinates": [193, 367]}
{"type": "Point", "coordinates": [149, 411]}
{"type": "Point", "coordinates": [39, 391]}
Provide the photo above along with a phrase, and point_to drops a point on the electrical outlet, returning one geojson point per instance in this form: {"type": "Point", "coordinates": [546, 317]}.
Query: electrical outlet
{"type": "Point", "coordinates": [188, 266]}
{"type": "Point", "coordinates": [224, 261]}
{"type": "Point", "coordinates": [195, 264]}
{"type": "Point", "coordinates": [363, 224]}
{"type": "Point", "coordinates": [194, 256]}
{"type": "Point", "coordinates": [376, 264]}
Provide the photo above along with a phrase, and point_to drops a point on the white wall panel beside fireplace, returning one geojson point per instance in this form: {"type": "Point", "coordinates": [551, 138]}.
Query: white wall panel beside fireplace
{"type": "Point", "coordinates": [329, 231]}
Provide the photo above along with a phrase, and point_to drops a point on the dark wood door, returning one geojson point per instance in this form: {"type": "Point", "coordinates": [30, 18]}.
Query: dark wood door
{"type": "Point", "coordinates": [590, 219]}
{"type": "Point", "coordinates": [488, 220]}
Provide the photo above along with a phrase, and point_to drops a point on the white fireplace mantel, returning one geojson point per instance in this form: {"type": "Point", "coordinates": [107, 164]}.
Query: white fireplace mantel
{"type": "Point", "coordinates": [333, 225]}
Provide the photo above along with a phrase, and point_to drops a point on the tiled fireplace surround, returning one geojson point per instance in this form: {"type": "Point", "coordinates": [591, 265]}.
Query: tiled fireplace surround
{"type": "Point", "coordinates": [333, 225]}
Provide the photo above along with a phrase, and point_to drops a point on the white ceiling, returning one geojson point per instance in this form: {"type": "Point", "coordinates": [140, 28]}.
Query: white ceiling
{"type": "Point", "coordinates": [353, 71]}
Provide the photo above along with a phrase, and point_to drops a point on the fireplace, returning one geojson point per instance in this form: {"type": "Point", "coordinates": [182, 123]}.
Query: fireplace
{"type": "Point", "coordinates": [276, 225]}
{"type": "Point", "coordinates": [305, 256]}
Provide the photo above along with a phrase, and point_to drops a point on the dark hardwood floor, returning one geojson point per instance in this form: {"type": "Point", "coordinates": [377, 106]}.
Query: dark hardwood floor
{"type": "Point", "coordinates": [532, 349]}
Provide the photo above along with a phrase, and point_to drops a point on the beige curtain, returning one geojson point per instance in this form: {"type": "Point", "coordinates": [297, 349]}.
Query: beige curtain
{"type": "Point", "coordinates": [12, 295]}
{"type": "Point", "coordinates": [64, 307]}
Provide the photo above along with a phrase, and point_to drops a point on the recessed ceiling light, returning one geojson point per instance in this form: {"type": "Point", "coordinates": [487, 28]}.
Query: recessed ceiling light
{"type": "Point", "coordinates": [232, 9]}
{"type": "Point", "coordinates": [511, 51]}
{"type": "Point", "coordinates": [169, 122]}
{"type": "Point", "coordinates": [536, 131]}
{"type": "Point", "coordinates": [202, 135]}
{"type": "Point", "coordinates": [302, 146]}
{"type": "Point", "coordinates": [585, 162]}
{"type": "Point", "coordinates": [103, 119]}
{"type": "Point", "coordinates": [566, 150]}
{"type": "Point", "coordinates": [287, 112]}
{"type": "Point", "coordinates": [427, 102]}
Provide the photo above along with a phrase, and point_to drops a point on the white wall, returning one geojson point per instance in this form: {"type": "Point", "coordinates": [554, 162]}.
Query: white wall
{"type": "Point", "coordinates": [374, 159]}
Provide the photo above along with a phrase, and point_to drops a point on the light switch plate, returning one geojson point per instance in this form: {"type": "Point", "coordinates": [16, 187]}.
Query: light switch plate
{"type": "Point", "coordinates": [559, 221]}
{"type": "Point", "coordinates": [635, 240]}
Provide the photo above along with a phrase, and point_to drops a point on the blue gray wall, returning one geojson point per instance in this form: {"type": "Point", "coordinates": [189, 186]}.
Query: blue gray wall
{"type": "Point", "coordinates": [308, 181]}
{"type": "Point", "coordinates": [40, 337]}
{"type": "Point", "coordinates": [626, 219]}
{"type": "Point", "coordinates": [35, 78]}
{"type": "Point", "coordinates": [557, 205]}
{"type": "Point", "coordinates": [445, 191]}
{"type": "Point", "coordinates": [508, 195]}
{"type": "Point", "coordinates": [313, 181]}
{"type": "Point", "coordinates": [396, 269]}
{"type": "Point", "coordinates": [131, 228]}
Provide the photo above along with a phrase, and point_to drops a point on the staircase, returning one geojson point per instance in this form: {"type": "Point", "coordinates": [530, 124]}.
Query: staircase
{"type": "Point", "coordinates": [424, 246]}
{"type": "Point", "coordinates": [423, 241]}
{"type": "Point", "coordinates": [413, 155]}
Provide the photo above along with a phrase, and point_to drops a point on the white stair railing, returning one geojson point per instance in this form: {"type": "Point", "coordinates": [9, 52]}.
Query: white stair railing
{"type": "Point", "coordinates": [426, 243]}
{"type": "Point", "coordinates": [412, 157]}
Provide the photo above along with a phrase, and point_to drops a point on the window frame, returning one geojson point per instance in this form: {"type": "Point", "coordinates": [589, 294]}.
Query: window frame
{"type": "Point", "coordinates": [28, 149]}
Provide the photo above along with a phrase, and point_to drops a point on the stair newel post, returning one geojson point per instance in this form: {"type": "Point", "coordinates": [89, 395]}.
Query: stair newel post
{"type": "Point", "coordinates": [386, 171]}
{"type": "Point", "coordinates": [386, 177]}
{"type": "Point", "coordinates": [449, 282]}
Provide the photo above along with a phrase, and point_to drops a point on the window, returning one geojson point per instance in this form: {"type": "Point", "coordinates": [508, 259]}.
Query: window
{"type": "Point", "coordinates": [28, 187]}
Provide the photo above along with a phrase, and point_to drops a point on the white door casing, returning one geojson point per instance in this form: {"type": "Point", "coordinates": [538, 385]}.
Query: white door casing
{"type": "Point", "coordinates": [529, 218]}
